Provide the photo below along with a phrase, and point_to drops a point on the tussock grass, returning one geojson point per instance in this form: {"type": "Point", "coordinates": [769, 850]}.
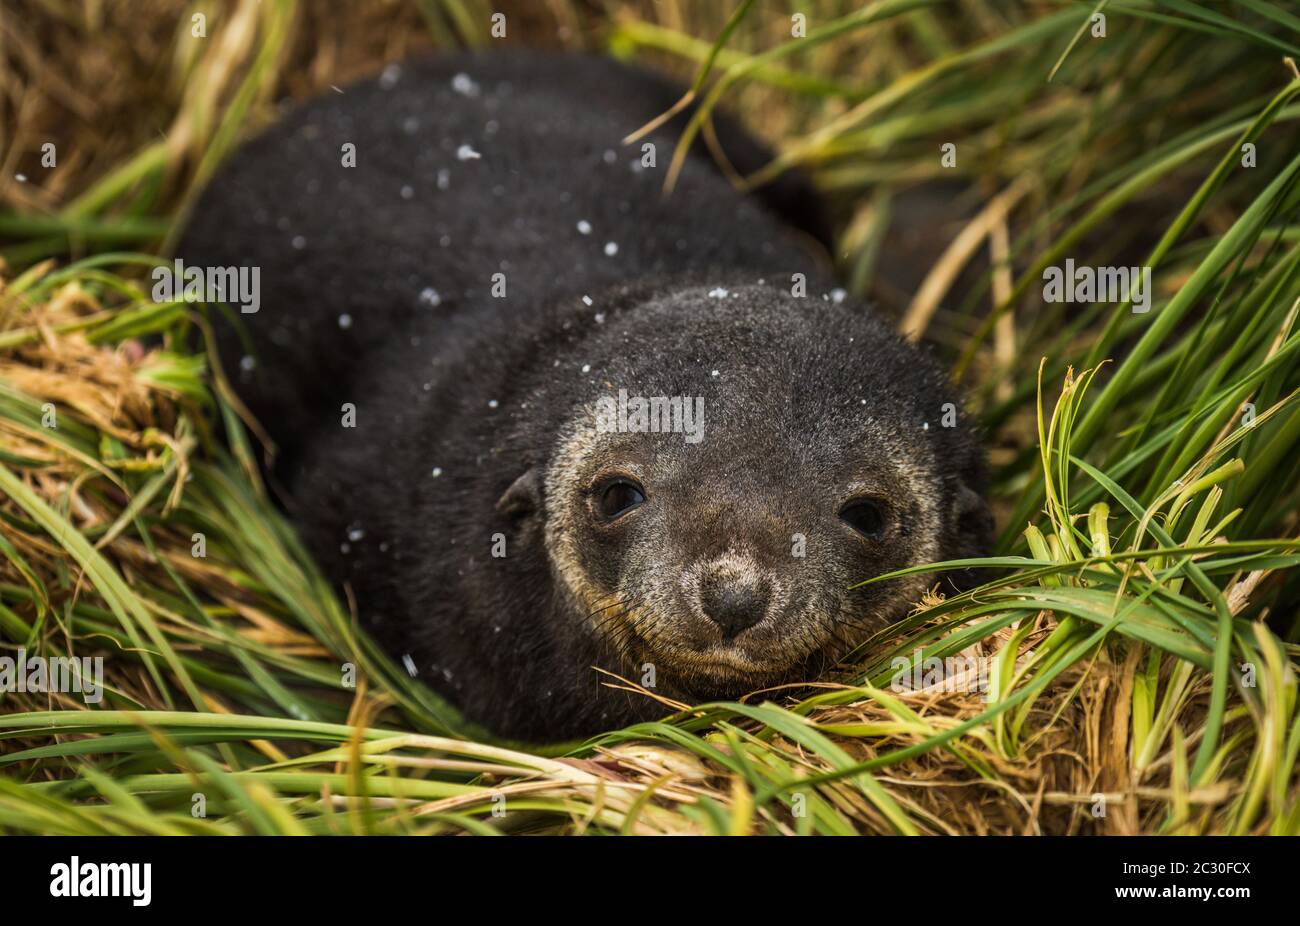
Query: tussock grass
{"type": "Point", "coordinates": [1139, 629]}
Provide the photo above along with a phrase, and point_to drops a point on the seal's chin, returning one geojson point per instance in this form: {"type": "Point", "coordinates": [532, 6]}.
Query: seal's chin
{"type": "Point", "coordinates": [693, 661]}
{"type": "Point", "coordinates": [726, 671]}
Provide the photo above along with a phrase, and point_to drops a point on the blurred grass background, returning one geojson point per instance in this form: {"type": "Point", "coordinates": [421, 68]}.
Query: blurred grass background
{"type": "Point", "coordinates": [1143, 629]}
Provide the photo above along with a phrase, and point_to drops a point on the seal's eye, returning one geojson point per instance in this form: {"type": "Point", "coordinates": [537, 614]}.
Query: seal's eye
{"type": "Point", "coordinates": [620, 497]}
{"type": "Point", "coordinates": [864, 516]}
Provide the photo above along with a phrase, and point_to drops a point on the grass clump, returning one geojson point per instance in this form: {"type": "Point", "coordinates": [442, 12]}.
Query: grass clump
{"type": "Point", "coordinates": [1137, 640]}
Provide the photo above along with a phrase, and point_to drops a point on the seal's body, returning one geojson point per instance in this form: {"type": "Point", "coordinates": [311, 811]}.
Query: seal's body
{"type": "Point", "coordinates": [542, 419]}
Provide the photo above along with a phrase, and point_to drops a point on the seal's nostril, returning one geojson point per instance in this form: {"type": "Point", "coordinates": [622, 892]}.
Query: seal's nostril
{"type": "Point", "coordinates": [734, 605]}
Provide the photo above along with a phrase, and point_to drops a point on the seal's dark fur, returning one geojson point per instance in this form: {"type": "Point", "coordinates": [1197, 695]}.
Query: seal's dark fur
{"type": "Point", "coordinates": [377, 290]}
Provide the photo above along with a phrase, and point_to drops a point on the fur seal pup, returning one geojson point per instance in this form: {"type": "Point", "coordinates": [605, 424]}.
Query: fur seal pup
{"type": "Point", "coordinates": [541, 418]}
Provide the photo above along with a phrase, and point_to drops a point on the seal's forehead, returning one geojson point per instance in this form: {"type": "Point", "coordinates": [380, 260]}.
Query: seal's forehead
{"type": "Point", "coordinates": [762, 353]}
{"type": "Point", "coordinates": [711, 434]}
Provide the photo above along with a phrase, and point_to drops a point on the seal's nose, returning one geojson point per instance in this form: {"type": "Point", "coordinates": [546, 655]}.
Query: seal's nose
{"type": "Point", "coordinates": [734, 603]}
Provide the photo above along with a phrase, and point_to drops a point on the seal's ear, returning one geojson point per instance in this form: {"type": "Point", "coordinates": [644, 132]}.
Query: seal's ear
{"type": "Point", "coordinates": [524, 497]}
{"type": "Point", "coordinates": [973, 521]}
{"type": "Point", "coordinates": [970, 535]}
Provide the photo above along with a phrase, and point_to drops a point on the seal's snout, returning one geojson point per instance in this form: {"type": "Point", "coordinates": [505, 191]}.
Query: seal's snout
{"type": "Point", "coordinates": [734, 602]}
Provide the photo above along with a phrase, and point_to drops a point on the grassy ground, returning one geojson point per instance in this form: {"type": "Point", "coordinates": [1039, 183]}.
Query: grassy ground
{"type": "Point", "coordinates": [1141, 636]}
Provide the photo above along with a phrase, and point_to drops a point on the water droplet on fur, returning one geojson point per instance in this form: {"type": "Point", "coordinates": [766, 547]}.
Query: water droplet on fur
{"type": "Point", "coordinates": [464, 85]}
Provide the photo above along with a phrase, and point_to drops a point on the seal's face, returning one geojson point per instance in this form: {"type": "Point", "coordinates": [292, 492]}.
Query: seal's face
{"type": "Point", "coordinates": [728, 563]}
{"type": "Point", "coordinates": [731, 470]}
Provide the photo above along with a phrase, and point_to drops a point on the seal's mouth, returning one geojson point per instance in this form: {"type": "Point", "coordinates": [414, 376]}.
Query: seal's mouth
{"type": "Point", "coordinates": [715, 676]}
{"type": "Point", "coordinates": [693, 660]}
{"type": "Point", "coordinates": [724, 670]}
